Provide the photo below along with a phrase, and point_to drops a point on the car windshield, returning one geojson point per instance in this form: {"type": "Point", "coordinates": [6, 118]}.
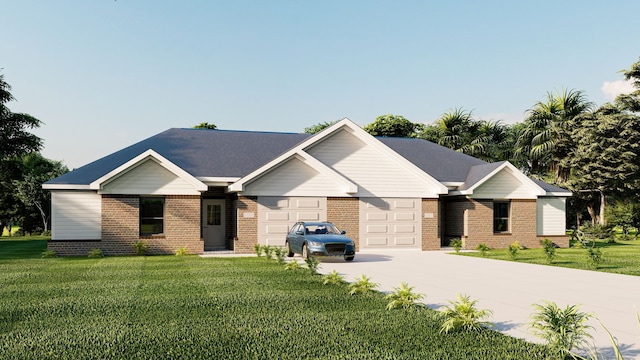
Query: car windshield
{"type": "Point", "coordinates": [321, 229]}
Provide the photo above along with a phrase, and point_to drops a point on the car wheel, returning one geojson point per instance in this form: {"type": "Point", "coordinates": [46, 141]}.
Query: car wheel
{"type": "Point", "coordinates": [288, 249]}
{"type": "Point", "coordinates": [349, 258]}
{"type": "Point", "coordinates": [305, 252]}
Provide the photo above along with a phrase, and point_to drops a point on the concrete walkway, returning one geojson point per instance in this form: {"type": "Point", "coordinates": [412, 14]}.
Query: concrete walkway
{"type": "Point", "coordinates": [509, 289]}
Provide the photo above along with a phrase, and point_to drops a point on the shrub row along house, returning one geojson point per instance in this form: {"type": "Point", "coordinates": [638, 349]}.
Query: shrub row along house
{"type": "Point", "coordinates": [210, 190]}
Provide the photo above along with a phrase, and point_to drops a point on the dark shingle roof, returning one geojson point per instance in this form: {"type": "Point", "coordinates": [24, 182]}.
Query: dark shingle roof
{"type": "Point", "coordinates": [442, 163]}
{"type": "Point", "coordinates": [200, 152]}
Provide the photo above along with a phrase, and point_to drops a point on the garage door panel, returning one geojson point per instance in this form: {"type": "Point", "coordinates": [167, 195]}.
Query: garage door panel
{"type": "Point", "coordinates": [277, 214]}
{"type": "Point", "coordinates": [398, 219]}
{"type": "Point", "coordinates": [404, 216]}
{"type": "Point", "coordinates": [308, 216]}
{"type": "Point", "coordinates": [405, 240]}
{"type": "Point", "coordinates": [376, 241]}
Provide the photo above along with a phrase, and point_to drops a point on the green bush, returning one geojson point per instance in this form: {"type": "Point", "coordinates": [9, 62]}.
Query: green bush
{"type": "Point", "coordinates": [46, 233]}
{"type": "Point", "coordinates": [457, 245]}
{"type": "Point", "coordinates": [257, 248]}
{"type": "Point", "coordinates": [280, 254]}
{"type": "Point", "coordinates": [95, 253]}
{"type": "Point", "coordinates": [549, 249]}
{"type": "Point", "coordinates": [483, 248]}
{"type": "Point", "coordinates": [595, 256]}
{"type": "Point", "coordinates": [181, 251]}
{"type": "Point", "coordinates": [462, 314]}
{"type": "Point", "coordinates": [292, 265]}
{"type": "Point", "coordinates": [402, 297]}
{"type": "Point", "coordinates": [514, 248]}
{"type": "Point", "coordinates": [313, 263]}
{"type": "Point", "coordinates": [140, 247]}
{"type": "Point", "coordinates": [49, 253]}
{"type": "Point", "coordinates": [563, 330]}
{"type": "Point", "coordinates": [268, 251]}
{"type": "Point", "coordinates": [333, 278]}
{"type": "Point", "coordinates": [362, 285]}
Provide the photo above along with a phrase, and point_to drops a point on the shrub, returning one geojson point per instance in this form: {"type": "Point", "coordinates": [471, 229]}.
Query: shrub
{"type": "Point", "coordinates": [49, 253]}
{"type": "Point", "coordinates": [549, 249]}
{"type": "Point", "coordinates": [312, 264]}
{"type": "Point", "coordinates": [258, 249]}
{"type": "Point", "coordinates": [563, 330]}
{"type": "Point", "coordinates": [483, 248]}
{"type": "Point", "coordinates": [182, 251]}
{"type": "Point", "coordinates": [457, 245]}
{"type": "Point", "coordinates": [362, 285]}
{"type": "Point", "coordinates": [333, 278]}
{"type": "Point", "coordinates": [280, 254]}
{"type": "Point", "coordinates": [268, 250]}
{"type": "Point", "coordinates": [141, 247]}
{"type": "Point", "coordinates": [402, 297]}
{"type": "Point", "coordinates": [95, 253]}
{"type": "Point", "coordinates": [46, 233]}
{"type": "Point", "coordinates": [463, 315]}
{"type": "Point", "coordinates": [292, 265]}
{"type": "Point", "coordinates": [513, 249]}
{"type": "Point", "coordinates": [595, 256]}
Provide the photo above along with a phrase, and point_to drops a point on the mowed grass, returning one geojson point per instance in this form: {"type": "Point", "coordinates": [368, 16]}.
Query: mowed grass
{"type": "Point", "coordinates": [189, 307]}
{"type": "Point", "coordinates": [621, 257]}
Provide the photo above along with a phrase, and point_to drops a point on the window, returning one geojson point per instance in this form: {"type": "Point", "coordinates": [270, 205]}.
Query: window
{"type": "Point", "coordinates": [214, 214]}
{"type": "Point", "coordinates": [501, 216]}
{"type": "Point", "coordinates": [151, 216]}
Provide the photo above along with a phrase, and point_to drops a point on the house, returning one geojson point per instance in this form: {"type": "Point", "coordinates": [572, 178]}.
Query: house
{"type": "Point", "coordinates": [210, 190]}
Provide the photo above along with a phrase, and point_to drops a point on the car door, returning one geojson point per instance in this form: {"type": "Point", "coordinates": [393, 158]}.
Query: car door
{"type": "Point", "coordinates": [295, 239]}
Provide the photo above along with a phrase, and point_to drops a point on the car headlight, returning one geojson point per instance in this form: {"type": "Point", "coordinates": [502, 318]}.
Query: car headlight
{"type": "Point", "coordinates": [314, 243]}
{"type": "Point", "coordinates": [351, 244]}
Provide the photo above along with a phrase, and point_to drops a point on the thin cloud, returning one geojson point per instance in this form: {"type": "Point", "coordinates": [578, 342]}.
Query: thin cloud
{"type": "Point", "coordinates": [611, 89]}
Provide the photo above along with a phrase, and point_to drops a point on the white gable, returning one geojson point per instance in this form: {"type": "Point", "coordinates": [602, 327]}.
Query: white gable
{"type": "Point", "coordinates": [294, 177]}
{"type": "Point", "coordinates": [149, 178]}
{"type": "Point", "coordinates": [376, 173]}
{"type": "Point", "coordinates": [505, 184]}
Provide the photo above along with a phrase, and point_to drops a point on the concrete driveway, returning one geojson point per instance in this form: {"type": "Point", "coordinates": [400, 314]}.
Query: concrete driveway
{"type": "Point", "coordinates": [509, 289]}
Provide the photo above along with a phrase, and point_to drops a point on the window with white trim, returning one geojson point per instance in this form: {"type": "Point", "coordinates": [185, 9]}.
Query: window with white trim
{"type": "Point", "coordinates": [151, 216]}
{"type": "Point", "coordinates": [501, 210]}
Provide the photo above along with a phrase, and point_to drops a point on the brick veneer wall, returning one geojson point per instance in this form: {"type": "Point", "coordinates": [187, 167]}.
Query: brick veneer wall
{"type": "Point", "coordinates": [120, 228]}
{"type": "Point", "coordinates": [430, 228]}
{"type": "Point", "coordinates": [246, 216]}
{"type": "Point", "coordinates": [344, 212]}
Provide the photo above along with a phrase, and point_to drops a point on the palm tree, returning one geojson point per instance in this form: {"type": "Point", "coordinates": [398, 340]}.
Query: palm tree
{"type": "Point", "coordinates": [546, 136]}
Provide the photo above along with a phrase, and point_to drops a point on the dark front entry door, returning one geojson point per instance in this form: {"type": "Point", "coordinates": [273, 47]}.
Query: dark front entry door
{"type": "Point", "coordinates": [213, 228]}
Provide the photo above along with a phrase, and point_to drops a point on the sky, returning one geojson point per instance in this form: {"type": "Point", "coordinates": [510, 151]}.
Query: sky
{"type": "Point", "coordinates": [103, 74]}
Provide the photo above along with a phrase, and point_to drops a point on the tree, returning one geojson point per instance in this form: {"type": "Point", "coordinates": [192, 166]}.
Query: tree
{"type": "Point", "coordinates": [393, 126]}
{"type": "Point", "coordinates": [631, 102]}
{"type": "Point", "coordinates": [36, 171]}
{"type": "Point", "coordinates": [314, 129]}
{"type": "Point", "coordinates": [458, 130]}
{"type": "Point", "coordinates": [547, 133]}
{"type": "Point", "coordinates": [15, 140]}
{"type": "Point", "coordinates": [205, 125]}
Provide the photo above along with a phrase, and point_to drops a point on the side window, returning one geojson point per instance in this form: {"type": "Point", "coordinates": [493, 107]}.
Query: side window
{"type": "Point", "coordinates": [501, 216]}
{"type": "Point", "coordinates": [151, 216]}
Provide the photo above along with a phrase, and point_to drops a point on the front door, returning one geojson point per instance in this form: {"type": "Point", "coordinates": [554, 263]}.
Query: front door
{"type": "Point", "coordinates": [213, 229]}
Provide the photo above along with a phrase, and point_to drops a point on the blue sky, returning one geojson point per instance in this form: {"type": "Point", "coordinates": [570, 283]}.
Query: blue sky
{"type": "Point", "coordinates": [104, 74]}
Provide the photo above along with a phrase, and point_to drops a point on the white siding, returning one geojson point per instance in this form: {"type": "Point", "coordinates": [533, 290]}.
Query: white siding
{"type": "Point", "coordinates": [551, 216]}
{"type": "Point", "coordinates": [76, 215]}
{"type": "Point", "coordinates": [277, 213]}
{"type": "Point", "coordinates": [376, 173]}
{"type": "Point", "coordinates": [149, 178]}
{"type": "Point", "coordinates": [390, 222]}
{"type": "Point", "coordinates": [293, 178]}
{"type": "Point", "coordinates": [503, 185]}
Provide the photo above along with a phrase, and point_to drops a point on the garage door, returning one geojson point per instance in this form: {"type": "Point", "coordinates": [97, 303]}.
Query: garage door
{"type": "Point", "coordinates": [390, 222]}
{"type": "Point", "coordinates": [277, 214]}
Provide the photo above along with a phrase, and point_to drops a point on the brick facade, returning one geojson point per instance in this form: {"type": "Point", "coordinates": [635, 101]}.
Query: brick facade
{"type": "Point", "coordinates": [121, 229]}
{"type": "Point", "coordinates": [430, 224]}
{"type": "Point", "coordinates": [344, 213]}
{"type": "Point", "coordinates": [246, 217]}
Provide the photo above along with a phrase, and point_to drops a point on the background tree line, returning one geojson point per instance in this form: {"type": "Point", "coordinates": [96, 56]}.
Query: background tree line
{"type": "Point", "coordinates": [23, 170]}
{"type": "Point", "coordinates": [564, 139]}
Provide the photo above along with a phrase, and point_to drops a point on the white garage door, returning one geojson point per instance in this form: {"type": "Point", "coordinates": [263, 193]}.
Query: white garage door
{"type": "Point", "coordinates": [276, 214]}
{"type": "Point", "coordinates": [390, 222]}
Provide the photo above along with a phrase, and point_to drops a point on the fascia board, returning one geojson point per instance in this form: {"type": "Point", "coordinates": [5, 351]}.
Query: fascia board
{"type": "Point", "coordinates": [65, 187]}
{"type": "Point", "coordinates": [538, 191]}
{"type": "Point", "coordinates": [148, 155]}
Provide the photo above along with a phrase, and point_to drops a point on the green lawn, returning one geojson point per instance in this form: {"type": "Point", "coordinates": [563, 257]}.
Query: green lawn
{"type": "Point", "coordinates": [216, 308]}
{"type": "Point", "coordinates": [621, 257]}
